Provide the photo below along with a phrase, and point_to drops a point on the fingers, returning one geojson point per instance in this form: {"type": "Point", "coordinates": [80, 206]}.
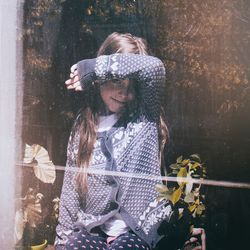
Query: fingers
{"type": "Point", "coordinates": [73, 68]}
{"type": "Point", "coordinates": [78, 88]}
{"type": "Point", "coordinates": [72, 84]}
{"type": "Point", "coordinates": [74, 74]}
{"type": "Point", "coordinates": [197, 231]}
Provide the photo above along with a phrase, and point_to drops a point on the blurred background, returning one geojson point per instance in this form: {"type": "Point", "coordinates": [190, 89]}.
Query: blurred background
{"type": "Point", "coordinates": [205, 46]}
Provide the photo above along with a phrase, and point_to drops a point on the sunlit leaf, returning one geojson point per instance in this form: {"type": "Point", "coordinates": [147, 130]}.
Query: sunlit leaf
{"type": "Point", "coordinates": [34, 212]}
{"type": "Point", "coordinates": [175, 197]}
{"type": "Point", "coordinates": [179, 159]}
{"type": "Point", "coordinates": [185, 162]}
{"type": "Point", "coordinates": [180, 215]}
{"type": "Point", "coordinates": [200, 208]}
{"type": "Point", "coordinates": [161, 188]}
{"type": "Point", "coordinates": [181, 174]}
{"type": "Point", "coordinates": [197, 201]}
{"type": "Point", "coordinates": [192, 207]}
{"type": "Point", "coordinates": [28, 154]}
{"type": "Point", "coordinates": [189, 198]}
{"type": "Point", "coordinates": [195, 157]}
{"type": "Point", "coordinates": [44, 168]}
{"type": "Point", "coordinates": [45, 172]}
{"type": "Point", "coordinates": [174, 166]}
{"type": "Point", "coordinates": [195, 165]}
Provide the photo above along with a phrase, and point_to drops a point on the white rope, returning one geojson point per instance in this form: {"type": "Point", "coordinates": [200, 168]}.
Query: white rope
{"type": "Point", "coordinates": [207, 182]}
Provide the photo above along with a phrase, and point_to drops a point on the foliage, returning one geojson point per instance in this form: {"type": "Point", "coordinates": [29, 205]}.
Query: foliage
{"type": "Point", "coordinates": [187, 197]}
{"type": "Point", "coordinates": [36, 217]}
{"type": "Point", "coordinates": [185, 192]}
{"type": "Point", "coordinates": [204, 44]}
{"type": "Point", "coordinates": [34, 220]}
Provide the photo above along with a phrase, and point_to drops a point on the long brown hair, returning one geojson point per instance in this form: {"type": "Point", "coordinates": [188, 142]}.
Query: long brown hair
{"type": "Point", "coordinates": [114, 43]}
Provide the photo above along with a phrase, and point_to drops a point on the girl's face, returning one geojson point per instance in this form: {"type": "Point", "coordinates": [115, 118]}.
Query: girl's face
{"type": "Point", "coordinates": [116, 94]}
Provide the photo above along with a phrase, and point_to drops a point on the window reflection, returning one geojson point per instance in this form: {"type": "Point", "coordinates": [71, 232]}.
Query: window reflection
{"type": "Point", "coordinates": [205, 48]}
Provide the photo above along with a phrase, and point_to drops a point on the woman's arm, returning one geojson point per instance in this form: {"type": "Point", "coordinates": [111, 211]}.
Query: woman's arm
{"type": "Point", "coordinates": [69, 201]}
{"type": "Point", "coordinates": [147, 70]}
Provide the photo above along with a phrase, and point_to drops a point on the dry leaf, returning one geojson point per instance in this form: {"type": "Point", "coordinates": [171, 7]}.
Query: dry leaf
{"type": "Point", "coordinates": [44, 168]}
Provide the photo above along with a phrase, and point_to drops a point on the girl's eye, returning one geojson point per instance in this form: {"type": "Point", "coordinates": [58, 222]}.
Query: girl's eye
{"type": "Point", "coordinates": [116, 81]}
{"type": "Point", "coordinates": [113, 83]}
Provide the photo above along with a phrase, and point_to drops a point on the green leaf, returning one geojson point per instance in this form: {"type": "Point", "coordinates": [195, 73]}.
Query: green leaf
{"type": "Point", "coordinates": [174, 166]}
{"type": "Point", "coordinates": [179, 159]}
{"type": "Point", "coordinates": [195, 157]}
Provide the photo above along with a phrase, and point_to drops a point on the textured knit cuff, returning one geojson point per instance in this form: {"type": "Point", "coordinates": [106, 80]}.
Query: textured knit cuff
{"type": "Point", "coordinates": [86, 72]}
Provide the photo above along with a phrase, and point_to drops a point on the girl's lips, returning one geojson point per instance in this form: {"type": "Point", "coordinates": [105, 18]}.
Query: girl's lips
{"type": "Point", "coordinates": [119, 102]}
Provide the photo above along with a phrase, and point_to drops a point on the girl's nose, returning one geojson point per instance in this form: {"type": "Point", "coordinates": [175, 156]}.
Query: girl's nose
{"type": "Point", "coordinates": [123, 93]}
{"type": "Point", "coordinates": [125, 90]}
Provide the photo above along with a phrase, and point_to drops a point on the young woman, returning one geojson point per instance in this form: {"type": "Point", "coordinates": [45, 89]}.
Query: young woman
{"type": "Point", "coordinates": [121, 130]}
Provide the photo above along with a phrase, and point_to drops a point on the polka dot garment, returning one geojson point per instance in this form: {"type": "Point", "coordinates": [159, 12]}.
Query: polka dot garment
{"type": "Point", "coordinates": [84, 240]}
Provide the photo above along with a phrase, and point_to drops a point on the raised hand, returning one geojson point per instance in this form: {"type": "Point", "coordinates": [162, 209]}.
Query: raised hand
{"type": "Point", "coordinates": [73, 82]}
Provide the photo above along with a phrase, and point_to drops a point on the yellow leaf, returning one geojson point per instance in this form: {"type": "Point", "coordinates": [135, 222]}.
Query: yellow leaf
{"type": "Point", "coordinates": [176, 195]}
{"type": "Point", "coordinates": [200, 209]}
{"type": "Point", "coordinates": [192, 207]}
{"type": "Point", "coordinates": [185, 162]}
{"type": "Point", "coordinates": [195, 165]}
{"type": "Point", "coordinates": [197, 202]}
{"type": "Point", "coordinates": [180, 213]}
{"type": "Point", "coordinates": [181, 174]}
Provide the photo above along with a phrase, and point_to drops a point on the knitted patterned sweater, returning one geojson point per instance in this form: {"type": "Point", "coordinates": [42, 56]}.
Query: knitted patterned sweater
{"type": "Point", "coordinates": [130, 146]}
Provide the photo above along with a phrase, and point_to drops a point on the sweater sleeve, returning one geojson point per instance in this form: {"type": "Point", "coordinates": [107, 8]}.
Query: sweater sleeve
{"type": "Point", "coordinates": [70, 200]}
{"type": "Point", "coordinates": [149, 71]}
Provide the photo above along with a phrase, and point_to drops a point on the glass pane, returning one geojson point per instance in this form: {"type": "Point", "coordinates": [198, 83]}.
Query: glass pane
{"type": "Point", "coordinates": [204, 46]}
